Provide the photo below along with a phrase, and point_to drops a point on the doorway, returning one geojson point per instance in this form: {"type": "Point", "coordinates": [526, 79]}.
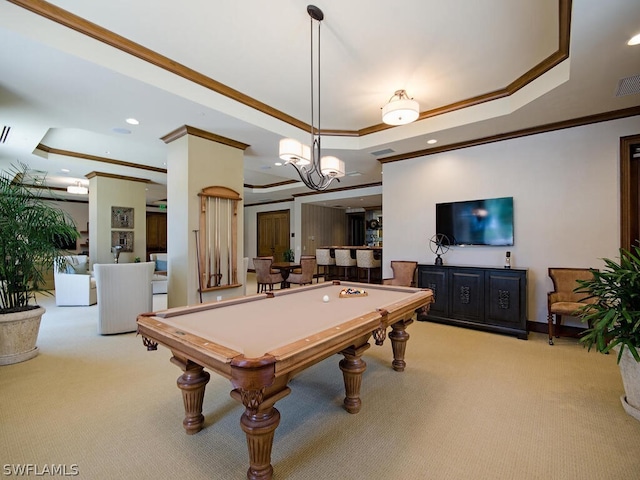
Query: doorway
{"type": "Point", "coordinates": [273, 230]}
{"type": "Point", "coordinates": [355, 226]}
{"type": "Point", "coordinates": [629, 191]}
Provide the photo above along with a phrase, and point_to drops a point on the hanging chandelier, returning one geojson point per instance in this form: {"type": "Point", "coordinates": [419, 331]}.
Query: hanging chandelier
{"type": "Point", "coordinates": [315, 171]}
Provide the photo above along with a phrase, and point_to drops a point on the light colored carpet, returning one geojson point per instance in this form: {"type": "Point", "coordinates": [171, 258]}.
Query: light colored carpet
{"type": "Point", "coordinates": [470, 405]}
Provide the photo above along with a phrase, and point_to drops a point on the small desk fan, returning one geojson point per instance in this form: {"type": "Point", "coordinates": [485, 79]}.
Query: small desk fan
{"type": "Point", "coordinates": [439, 244]}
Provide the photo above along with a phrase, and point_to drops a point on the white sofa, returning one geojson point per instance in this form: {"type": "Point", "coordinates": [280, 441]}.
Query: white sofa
{"type": "Point", "coordinates": [74, 286]}
{"type": "Point", "coordinates": [124, 292]}
{"type": "Point", "coordinates": [160, 280]}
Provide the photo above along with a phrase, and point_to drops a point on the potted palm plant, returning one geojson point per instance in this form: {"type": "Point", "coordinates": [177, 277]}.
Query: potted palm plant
{"type": "Point", "coordinates": [31, 232]}
{"type": "Point", "coordinates": [614, 319]}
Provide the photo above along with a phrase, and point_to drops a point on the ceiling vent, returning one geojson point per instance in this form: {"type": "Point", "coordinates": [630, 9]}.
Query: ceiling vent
{"type": "Point", "coordinates": [386, 151]}
{"type": "Point", "coordinates": [628, 86]}
{"type": "Point", "coordinates": [5, 134]}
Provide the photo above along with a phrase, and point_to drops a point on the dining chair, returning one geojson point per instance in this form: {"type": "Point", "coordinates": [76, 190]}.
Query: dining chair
{"type": "Point", "coordinates": [307, 269]}
{"type": "Point", "coordinates": [265, 277]}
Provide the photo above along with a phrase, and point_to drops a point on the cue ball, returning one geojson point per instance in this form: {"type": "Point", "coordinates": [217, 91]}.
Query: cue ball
{"type": "Point", "coordinates": [325, 299]}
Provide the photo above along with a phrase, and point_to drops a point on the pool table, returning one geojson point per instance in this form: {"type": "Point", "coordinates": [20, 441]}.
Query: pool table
{"type": "Point", "coordinates": [260, 342]}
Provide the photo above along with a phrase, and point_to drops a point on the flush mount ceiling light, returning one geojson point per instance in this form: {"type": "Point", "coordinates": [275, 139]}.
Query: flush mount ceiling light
{"type": "Point", "coordinates": [77, 189]}
{"type": "Point", "coordinates": [400, 109]}
{"type": "Point", "coordinates": [316, 172]}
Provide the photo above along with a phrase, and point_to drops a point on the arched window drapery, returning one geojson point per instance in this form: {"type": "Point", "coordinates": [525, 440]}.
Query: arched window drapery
{"type": "Point", "coordinates": [218, 238]}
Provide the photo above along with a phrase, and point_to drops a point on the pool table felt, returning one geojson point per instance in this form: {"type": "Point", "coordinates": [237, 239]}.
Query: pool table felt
{"type": "Point", "coordinates": [291, 316]}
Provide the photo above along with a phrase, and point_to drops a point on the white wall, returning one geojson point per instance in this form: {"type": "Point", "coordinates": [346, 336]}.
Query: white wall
{"type": "Point", "coordinates": [565, 186]}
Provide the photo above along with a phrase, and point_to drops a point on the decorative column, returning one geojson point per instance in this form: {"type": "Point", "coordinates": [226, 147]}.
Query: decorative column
{"type": "Point", "coordinates": [109, 193]}
{"type": "Point", "coordinates": [197, 159]}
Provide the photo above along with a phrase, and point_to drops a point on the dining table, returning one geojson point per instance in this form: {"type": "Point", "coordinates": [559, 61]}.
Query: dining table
{"type": "Point", "coordinates": [285, 269]}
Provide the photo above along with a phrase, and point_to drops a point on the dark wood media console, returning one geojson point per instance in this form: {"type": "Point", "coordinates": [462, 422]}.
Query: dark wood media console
{"type": "Point", "coordinates": [486, 298]}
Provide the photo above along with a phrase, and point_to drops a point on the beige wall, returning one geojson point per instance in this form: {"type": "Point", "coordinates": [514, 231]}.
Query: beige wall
{"type": "Point", "coordinates": [104, 193]}
{"type": "Point", "coordinates": [566, 190]}
{"type": "Point", "coordinates": [194, 163]}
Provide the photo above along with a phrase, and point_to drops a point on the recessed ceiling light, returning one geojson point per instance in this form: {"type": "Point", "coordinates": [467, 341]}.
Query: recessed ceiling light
{"type": "Point", "coordinates": [132, 121]}
{"type": "Point", "coordinates": [635, 40]}
{"type": "Point", "coordinates": [432, 141]}
{"type": "Point", "coordinates": [278, 164]}
{"type": "Point", "coordinates": [65, 170]}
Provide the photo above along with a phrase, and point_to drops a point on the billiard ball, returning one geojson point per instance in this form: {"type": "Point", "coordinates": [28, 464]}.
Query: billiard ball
{"type": "Point", "coordinates": [325, 299]}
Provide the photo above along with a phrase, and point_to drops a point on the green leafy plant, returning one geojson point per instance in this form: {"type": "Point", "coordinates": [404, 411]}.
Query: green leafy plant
{"type": "Point", "coordinates": [31, 230]}
{"type": "Point", "coordinates": [289, 255]}
{"type": "Point", "coordinates": [614, 318]}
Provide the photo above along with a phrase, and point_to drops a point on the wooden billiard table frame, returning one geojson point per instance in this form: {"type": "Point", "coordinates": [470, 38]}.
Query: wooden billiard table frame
{"type": "Point", "coordinates": [259, 382]}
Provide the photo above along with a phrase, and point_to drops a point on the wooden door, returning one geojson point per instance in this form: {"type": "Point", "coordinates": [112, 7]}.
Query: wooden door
{"type": "Point", "coordinates": [629, 191]}
{"type": "Point", "coordinates": [156, 232]}
{"type": "Point", "coordinates": [273, 234]}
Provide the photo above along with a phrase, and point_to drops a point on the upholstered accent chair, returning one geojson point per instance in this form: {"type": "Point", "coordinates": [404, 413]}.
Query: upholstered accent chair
{"type": "Point", "coordinates": [365, 260]}
{"type": "Point", "coordinates": [324, 260]}
{"type": "Point", "coordinates": [404, 272]}
{"type": "Point", "coordinates": [299, 269]}
{"type": "Point", "coordinates": [124, 292]}
{"type": "Point", "coordinates": [160, 281]}
{"type": "Point", "coordinates": [563, 301]}
{"type": "Point", "coordinates": [265, 278]}
{"type": "Point", "coordinates": [74, 285]}
{"type": "Point", "coordinates": [307, 269]}
{"type": "Point", "coordinates": [345, 261]}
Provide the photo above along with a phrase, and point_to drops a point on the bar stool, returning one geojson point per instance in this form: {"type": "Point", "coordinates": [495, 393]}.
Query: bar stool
{"type": "Point", "coordinates": [366, 261]}
{"type": "Point", "coordinates": [344, 259]}
{"type": "Point", "coordinates": [324, 260]}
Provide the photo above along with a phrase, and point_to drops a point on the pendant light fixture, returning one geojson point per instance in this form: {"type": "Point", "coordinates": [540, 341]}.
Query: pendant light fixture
{"type": "Point", "coordinates": [400, 109]}
{"type": "Point", "coordinates": [315, 171]}
{"type": "Point", "coordinates": [77, 189]}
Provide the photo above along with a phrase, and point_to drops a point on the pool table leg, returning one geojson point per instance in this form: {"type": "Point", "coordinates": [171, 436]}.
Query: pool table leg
{"type": "Point", "coordinates": [353, 367]}
{"type": "Point", "coordinates": [192, 383]}
{"type": "Point", "coordinates": [399, 338]}
{"type": "Point", "coordinates": [259, 427]}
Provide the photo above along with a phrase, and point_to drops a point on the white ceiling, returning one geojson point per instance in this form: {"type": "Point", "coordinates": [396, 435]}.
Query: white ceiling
{"type": "Point", "coordinates": [68, 91]}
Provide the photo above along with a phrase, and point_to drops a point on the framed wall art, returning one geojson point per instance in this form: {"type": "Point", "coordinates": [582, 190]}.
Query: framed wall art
{"type": "Point", "coordinates": [121, 217]}
{"type": "Point", "coordinates": [124, 238]}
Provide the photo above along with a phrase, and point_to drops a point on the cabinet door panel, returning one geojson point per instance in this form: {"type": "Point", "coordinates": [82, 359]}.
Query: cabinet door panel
{"type": "Point", "coordinates": [467, 292]}
{"type": "Point", "coordinates": [436, 280]}
{"type": "Point", "coordinates": [504, 305]}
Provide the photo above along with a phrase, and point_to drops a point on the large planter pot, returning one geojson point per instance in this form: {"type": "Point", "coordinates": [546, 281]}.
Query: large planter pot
{"type": "Point", "coordinates": [630, 371]}
{"type": "Point", "coordinates": [18, 335]}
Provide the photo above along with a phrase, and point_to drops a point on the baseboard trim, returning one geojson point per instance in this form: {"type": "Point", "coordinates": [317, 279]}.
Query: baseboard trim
{"type": "Point", "coordinates": [565, 331]}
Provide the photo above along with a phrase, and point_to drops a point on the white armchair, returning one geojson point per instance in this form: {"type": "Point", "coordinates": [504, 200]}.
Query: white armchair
{"type": "Point", "coordinates": [124, 291]}
{"type": "Point", "coordinates": [74, 286]}
{"type": "Point", "coordinates": [160, 280]}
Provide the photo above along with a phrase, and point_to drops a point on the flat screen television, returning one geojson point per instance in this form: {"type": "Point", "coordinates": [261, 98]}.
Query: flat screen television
{"type": "Point", "coordinates": [477, 222]}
